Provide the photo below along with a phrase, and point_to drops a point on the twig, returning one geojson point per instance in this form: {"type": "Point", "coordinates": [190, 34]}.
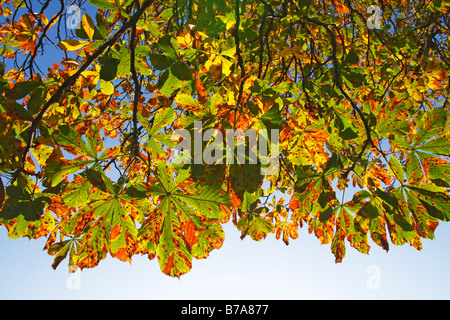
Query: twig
{"type": "Point", "coordinates": [238, 53]}
{"type": "Point", "coordinates": [72, 79]}
{"type": "Point", "coordinates": [137, 90]}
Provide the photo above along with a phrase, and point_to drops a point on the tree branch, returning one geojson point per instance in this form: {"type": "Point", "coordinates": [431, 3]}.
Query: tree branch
{"type": "Point", "coordinates": [137, 90]}
{"type": "Point", "coordinates": [338, 79]}
{"type": "Point", "coordinates": [72, 79]}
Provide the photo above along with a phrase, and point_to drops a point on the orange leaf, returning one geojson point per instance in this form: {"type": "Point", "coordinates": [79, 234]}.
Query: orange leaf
{"type": "Point", "coordinates": [340, 7]}
{"type": "Point", "coordinates": [190, 233]}
{"type": "Point", "coordinates": [294, 203]}
{"type": "Point", "coordinates": [382, 175]}
{"type": "Point", "coordinates": [200, 89]}
{"type": "Point", "coordinates": [169, 264]}
{"type": "Point", "coordinates": [226, 213]}
{"type": "Point", "coordinates": [235, 201]}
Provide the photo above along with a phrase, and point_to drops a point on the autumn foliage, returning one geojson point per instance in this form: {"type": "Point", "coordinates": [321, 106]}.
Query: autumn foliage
{"type": "Point", "coordinates": [88, 115]}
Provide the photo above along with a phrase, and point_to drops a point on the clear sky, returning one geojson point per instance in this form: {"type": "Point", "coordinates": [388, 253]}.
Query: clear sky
{"type": "Point", "coordinates": [241, 269]}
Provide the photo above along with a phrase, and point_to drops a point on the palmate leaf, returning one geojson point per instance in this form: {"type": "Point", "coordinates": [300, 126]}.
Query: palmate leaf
{"type": "Point", "coordinates": [433, 121]}
{"type": "Point", "coordinates": [188, 221]}
{"type": "Point", "coordinates": [254, 225]}
{"type": "Point", "coordinates": [174, 257]}
{"type": "Point", "coordinates": [101, 223]}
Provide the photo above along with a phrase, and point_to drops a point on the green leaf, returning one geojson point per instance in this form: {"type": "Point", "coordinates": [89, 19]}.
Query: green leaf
{"type": "Point", "coordinates": [163, 117]}
{"type": "Point", "coordinates": [173, 255]}
{"type": "Point", "coordinates": [97, 178]}
{"type": "Point", "coordinates": [211, 236]}
{"type": "Point", "coordinates": [60, 250]}
{"type": "Point", "coordinates": [435, 197]}
{"type": "Point", "coordinates": [123, 232]}
{"type": "Point", "coordinates": [369, 211]}
{"type": "Point", "coordinates": [183, 99]}
{"type": "Point", "coordinates": [206, 201]}
{"type": "Point", "coordinates": [165, 44]}
{"type": "Point", "coordinates": [168, 83]}
{"type": "Point", "coordinates": [55, 172]}
{"type": "Point", "coordinates": [181, 70]}
{"type": "Point", "coordinates": [24, 88]}
{"type": "Point", "coordinates": [430, 124]}
{"type": "Point", "coordinates": [413, 168]}
{"type": "Point", "coordinates": [402, 222]}
{"type": "Point", "coordinates": [103, 4]}
{"type": "Point", "coordinates": [160, 61]}
{"type": "Point", "coordinates": [76, 194]}
{"type": "Point", "coordinates": [326, 214]}
{"type": "Point", "coordinates": [351, 58]}
{"type": "Point", "coordinates": [21, 111]}
{"type": "Point", "coordinates": [254, 225]}
{"type": "Point", "coordinates": [396, 169]}
{"type": "Point", "coordinates": [68, 136]}
{"type": "Point", "coordinates": [21, 203]}
{"type": "Point", "coordinates": [439, 146]}
{"type": "Point", "coordinates": [108, 71]}
{"type": "Point", "coordinates": [137, 191]}
{"type": "Point", "coordinates": [249, 199]}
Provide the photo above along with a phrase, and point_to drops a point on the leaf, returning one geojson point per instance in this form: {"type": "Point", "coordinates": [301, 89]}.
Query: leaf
{"type": "Point", "coordinates": [351, 58]}
{"type": "Point", "coordinates": [433, 121]}
{"type": "Point", "coordinates": [106, 87]}
{"type": "Point", "coordinates": [254, 225]}
{"type": "Point", "coordinates": [103, 4]}
{"type": "Point", "coordinates": [60, 250]}
{"type": "Point", "coordinates": [435, 199]}
{"type": "Point", "coordinates": [108, 72]}
{"type": "Point", "coordinates": [168, 83]}
{"type": "Point", "coordinates": [72, 44]}
{"type": "Point", "coordinates": [173, 256]}
{"type": "Point", "coordinates": [22, 203]}
{"type": "Point", "coordinates": [181, 70]}
{"type": "Point", "coordinates": [186, 102]}
{"type": "Point", "coordinates": [396, 169]}
{"type": "Point", "coordinates": [210, 236]}
{"type": "Point", "coordinates": [123, 234]}
{"type": "Point", "coordinates": [369, 211]}
{"type": "Point", "coordinates": [160, 61]}
{"type": "Point", "coordinates": [439, 146]}
{"type": "Point", "coordinates": [24, 88]}
{"type": "Point", "coordinates": [88, 26]}
{"type": "Point", "coordinates": [165, 44]}
{"type": "Point", "coordinates": [71, 140]}
{"type": "Point", "coordinates": [77, 193]}
{"type": "Point", "coordinates": [249, 199]}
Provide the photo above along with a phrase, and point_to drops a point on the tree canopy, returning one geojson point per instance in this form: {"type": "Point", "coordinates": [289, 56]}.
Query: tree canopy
{"type": "Point", "coordinates": [348, 101]}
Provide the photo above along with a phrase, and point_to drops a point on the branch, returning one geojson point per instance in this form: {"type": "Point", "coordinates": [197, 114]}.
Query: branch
{"type": "Point", "coordinates": [137, 90]}
{"type": "Point", "coordinates": [72, 79]}
{"type": "Point", "coordinates": [338, 80]}
{"type": "Point", "coordinates": [44, 34]}
{"type": "Point", "coordinates": [238, 53]}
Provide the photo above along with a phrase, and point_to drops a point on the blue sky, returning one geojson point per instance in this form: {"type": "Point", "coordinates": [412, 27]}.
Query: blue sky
{"type": "Point", "coordinates": [241, 269]}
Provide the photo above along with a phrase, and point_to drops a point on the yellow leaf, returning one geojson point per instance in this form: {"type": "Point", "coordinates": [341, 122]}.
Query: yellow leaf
{"type": "Point", "coordinates": [106, 87]}
{"type": "Point", "coordinates": [42, 153]}
{"type": "Point", "coordinates": [72, 44]}
{"type": "Point", "coordinates": [88, 26]}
